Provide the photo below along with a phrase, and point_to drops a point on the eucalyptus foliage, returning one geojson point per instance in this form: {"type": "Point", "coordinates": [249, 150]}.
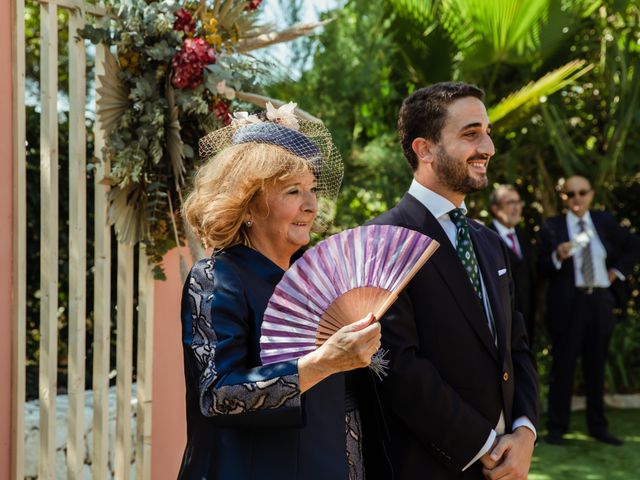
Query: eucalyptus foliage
{"type": "Point", "coordinates": [170, 79]}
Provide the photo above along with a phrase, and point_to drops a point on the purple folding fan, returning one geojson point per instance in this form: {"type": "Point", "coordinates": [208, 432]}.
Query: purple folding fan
{"type": "Point", "coordinates": [337, 283]}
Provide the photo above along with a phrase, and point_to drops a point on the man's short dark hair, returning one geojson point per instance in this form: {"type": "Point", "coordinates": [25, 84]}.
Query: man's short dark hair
{"type": "Point", "coordinates": [423, 113]}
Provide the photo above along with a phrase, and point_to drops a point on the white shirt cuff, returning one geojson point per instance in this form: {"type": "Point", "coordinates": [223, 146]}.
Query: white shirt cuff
{"type": "Point", "coordinates": [524, 422]}
{"type": "Point", "coordinates": [556, 263]}
{"type": "Point", "coordinates": [485, 448]}
{"type": "Point", "coordinates": [619, 274]}
{"type": "Point", "coordinates": [519, 422]}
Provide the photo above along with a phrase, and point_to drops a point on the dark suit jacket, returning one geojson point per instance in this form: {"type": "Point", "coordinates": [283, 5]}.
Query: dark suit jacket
{"type": "Point", "coordinates": [623, 252]}
{"type": "Point", "coordinates": [448, 382]}
{"type": "Point", "coordinates": [246, 420]}
{"type": "Point", "coordinates": [523, 272]}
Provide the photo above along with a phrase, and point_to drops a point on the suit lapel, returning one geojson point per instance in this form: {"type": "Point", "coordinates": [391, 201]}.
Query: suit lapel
{"type": "Point", "coordinates": [560, 232]}
{"type": "Point", "coordinates": [525, 246]}
{"type": "Point", "coordinates": [445, 260]}
{"type": "Point", "coordinates": [563, 229]}
{"type": "Point", "coordinates": [600, 230]}
{"type": "Point", "coordinates": [513, 258]}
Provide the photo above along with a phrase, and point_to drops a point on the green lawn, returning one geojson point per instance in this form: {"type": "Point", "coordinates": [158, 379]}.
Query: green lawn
{"type": "Point", "coordinates": [582, 458]}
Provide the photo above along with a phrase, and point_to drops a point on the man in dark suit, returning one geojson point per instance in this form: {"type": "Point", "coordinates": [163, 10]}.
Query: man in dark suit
{"type": "Point", "coordinates": [462, 387]}
{"type": "Point", "coordinates": [582, 253]}
{"type": "Point", "coordinates": [506, 209]}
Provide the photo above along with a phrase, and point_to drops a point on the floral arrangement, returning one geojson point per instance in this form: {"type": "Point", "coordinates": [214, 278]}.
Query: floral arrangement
{"type": "Point", "coordinates": [176, 72]}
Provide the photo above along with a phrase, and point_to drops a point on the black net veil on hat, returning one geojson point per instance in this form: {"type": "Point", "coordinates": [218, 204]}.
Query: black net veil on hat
{"type": "Point", "coordinates": [306, 139]}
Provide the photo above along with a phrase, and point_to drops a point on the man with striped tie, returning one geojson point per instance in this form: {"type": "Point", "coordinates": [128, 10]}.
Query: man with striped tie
{"type": "Point", "coordinates": [582, 253]}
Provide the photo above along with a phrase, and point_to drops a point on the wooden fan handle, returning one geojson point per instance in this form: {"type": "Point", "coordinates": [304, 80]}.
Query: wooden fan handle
{"type": "Point", "coordinates": [393, 296]}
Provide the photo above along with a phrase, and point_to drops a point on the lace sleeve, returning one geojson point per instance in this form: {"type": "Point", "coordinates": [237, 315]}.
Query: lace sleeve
{"type": "Point", "coordinates": [225, 386]}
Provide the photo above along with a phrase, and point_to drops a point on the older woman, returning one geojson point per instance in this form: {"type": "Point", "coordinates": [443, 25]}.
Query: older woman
{"type": "Point", "coordinates": [255, 203]}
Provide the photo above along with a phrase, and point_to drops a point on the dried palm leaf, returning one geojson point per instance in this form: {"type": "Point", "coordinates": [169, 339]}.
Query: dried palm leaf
{"type": "Point", "coordinates": [193, 242]}
{"type": "Point", "coordinates": [184, 270]}
{"type": "Point", "coordinates": [216, 6]}
{"type": "Point", "coordinates": [229, 15]}
{"type": "Point", "coordinates": [112, 97]}
{"type": "Point", "coordinates": [107, 180]}
{"type": "Point", "coordinates": [271, 38]}
{"type": "Point", "coordinates": [261, 101]}
{"type": "Point", "coordinates": [233, 18]}
{"type": "Point", "coordinates": [175, 146]}
{"type": "Point", "coordinates": [126, 213]}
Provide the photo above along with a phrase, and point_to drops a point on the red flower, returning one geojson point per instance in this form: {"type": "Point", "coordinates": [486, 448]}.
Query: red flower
{"type": "Point", "coordinates": [222, 111]}
{"type": "Point", "coordinates": [252, 5]}
{"type": "Point", "coordinates": [184, 22]}
{"type": "Point", "coordinates": [188, 64]}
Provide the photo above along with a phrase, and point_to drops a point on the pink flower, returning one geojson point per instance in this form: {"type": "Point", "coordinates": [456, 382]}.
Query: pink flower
{"type": "Point", "coordinates": [227, 92]}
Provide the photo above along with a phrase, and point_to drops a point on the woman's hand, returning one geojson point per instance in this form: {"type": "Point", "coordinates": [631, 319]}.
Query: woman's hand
{"type": "Point", "coordinates": [349, 348]}
{"type": "Point", "coordinates": [352, 346]}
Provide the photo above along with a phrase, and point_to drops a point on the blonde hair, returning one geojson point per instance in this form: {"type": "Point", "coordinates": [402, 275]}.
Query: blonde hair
{"type": "Point", "coordinates": [227, 183]}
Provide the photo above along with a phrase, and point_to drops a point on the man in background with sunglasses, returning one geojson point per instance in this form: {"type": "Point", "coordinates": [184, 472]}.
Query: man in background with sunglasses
{"type": "Point", "coordinates": [582, 253]}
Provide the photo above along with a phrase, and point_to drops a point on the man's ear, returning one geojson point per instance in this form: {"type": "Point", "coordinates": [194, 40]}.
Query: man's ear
{"type": "Point", "coordinates": [424, 150]}
{"type": "Point", "coordinates": [494, 210]}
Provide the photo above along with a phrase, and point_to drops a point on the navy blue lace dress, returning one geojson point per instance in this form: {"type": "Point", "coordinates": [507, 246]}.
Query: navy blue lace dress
{"type": "Point", "coordinates": [244, 420]}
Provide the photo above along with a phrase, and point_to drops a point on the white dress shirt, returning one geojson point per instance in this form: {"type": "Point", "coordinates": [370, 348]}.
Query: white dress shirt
{"type": "Point", "coordinates": [440, 207]}
{"type": "Point", "coordinates": [504, 233]}
{"type": "Point", "coordinates": [598, 252]}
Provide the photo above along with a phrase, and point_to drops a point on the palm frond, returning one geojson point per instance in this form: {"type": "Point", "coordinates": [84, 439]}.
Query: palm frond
{"type": "Point", "coordinates": [561, 141]}
{"type": "Point", "coordinates": [426, 52]}
{"type": "Point", "coordinates": [126, 213]}
{"type": "Point", "coordinates": [175, 146]}
{"type": "Point", "coordinates": [233, 18]}
{"type": "Point", "coordinates": [531, 94]}
{"type": "Point", "coordinates": [421, 12]}
{"type": "Point", "coordinates": [623, 121]}
{"type": "Point", "coordinates": [497, 31]}
{"type": "Point", "coordinates": [112, 97]}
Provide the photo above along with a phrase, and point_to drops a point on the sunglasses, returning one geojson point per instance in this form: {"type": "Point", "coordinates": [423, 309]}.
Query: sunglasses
{"type": "Point", "coordinates": [580, 193]}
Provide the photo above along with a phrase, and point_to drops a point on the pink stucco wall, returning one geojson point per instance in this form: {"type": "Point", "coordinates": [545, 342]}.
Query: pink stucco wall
{"type": "Point", "coordinates": [168, 428]}
{"type": "Point", "coordinates": [6, 190]}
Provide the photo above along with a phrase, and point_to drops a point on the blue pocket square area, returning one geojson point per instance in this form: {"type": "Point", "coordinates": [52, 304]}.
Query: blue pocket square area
{"type": "Point", "coordinates": [502, 271]}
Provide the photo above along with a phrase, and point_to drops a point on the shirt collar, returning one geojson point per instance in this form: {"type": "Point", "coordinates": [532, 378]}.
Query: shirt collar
{"type": "Point", "coordinates": [502, 230]}
{"type": "Point", "coordinates": [574, 219]}
{"type": "Point", "coordinates": [435, 203]}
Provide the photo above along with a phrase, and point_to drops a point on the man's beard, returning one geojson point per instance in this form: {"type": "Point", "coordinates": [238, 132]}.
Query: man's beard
{"type": "Point", "coordinates": [455, 175]}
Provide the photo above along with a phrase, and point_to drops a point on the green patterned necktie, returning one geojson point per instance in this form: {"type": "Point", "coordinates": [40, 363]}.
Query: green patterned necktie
{"type": "Point", "coordinates": [465, 249]}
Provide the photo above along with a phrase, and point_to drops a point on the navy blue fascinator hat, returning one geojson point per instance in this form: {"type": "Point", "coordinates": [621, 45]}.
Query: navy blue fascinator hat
{"type": "Point", "coordinates": [287, 138]}
{"type": "Point", "coordinates": [304, 138]}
